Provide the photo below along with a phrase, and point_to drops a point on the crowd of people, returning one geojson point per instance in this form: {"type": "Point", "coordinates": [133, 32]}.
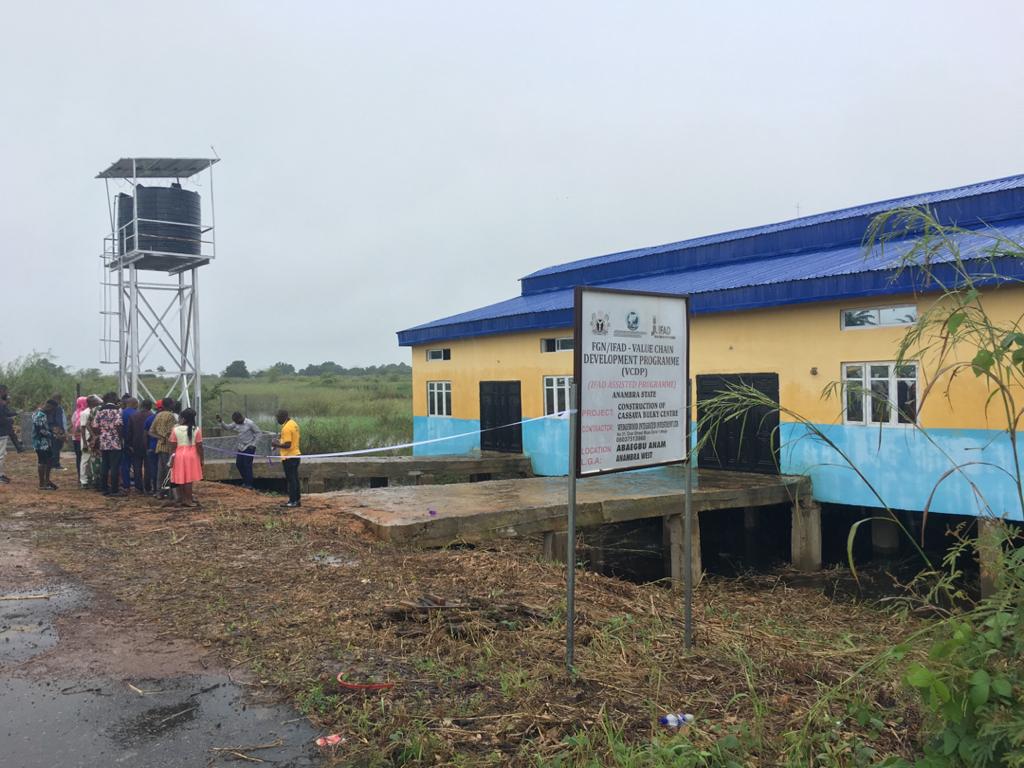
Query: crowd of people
{"type": "Point", "coordinates": [124, 446]}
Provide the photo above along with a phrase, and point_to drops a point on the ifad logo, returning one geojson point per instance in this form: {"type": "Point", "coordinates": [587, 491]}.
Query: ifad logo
{"type": "Point", "coordinates": [659, 331]}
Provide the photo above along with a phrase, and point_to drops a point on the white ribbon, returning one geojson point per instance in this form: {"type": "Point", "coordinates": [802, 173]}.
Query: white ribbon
{"type": "Point", "coordinates": [562, 415]}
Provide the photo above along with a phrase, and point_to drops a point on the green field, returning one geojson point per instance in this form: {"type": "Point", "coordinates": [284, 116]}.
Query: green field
{"type": "Point", "coordinates": [363, 408]}
{"type": "Point", "coordinates": [336, 413]}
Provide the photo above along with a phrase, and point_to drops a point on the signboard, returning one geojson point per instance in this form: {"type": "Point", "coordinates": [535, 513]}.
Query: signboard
{"type": "Point", "coordinates": [632, 368]}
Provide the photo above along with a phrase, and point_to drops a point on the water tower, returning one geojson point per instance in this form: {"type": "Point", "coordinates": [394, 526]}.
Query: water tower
{"type": "Point", "coordinates": [158, 241]}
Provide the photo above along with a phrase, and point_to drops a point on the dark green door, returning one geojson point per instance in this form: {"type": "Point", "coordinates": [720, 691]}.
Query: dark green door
{"type": "Point", "coordinates": [749, 444]}
{"type": "Point", "coordinates": [501, 406]}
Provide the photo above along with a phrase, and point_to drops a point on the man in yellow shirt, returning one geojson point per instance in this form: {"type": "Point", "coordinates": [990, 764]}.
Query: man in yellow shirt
{"type": "Point", "coordinates": [287, 444]}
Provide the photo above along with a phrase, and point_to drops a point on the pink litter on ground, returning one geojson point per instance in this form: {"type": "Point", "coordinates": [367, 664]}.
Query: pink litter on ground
{"type": "Point", "coordinates": [330, 741]}
{"type": "Point", "coordinates": [432, 512]}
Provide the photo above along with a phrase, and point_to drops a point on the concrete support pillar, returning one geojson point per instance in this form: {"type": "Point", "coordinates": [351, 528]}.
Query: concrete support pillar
{"type": "Point", "coordinates": [676, 528]}
{"type": "Point", "coordinates": [555, 543]}
{"type": "Point", "coordinates": [751, 545]}
{"type": "Point", "coordinates": [990, 554]}
{"type": "Point", "coordinates": [595, 548]}
{"type": "Point", "coordinates": [749, 518]}
{"type": "Point", "coordinates": [885, 537]}
{"type": "Point", "coordinates": [805, 538]}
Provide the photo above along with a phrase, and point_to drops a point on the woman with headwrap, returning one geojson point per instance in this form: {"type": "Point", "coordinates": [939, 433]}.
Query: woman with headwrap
{"type": "Point", "coordinates": [90, 473]}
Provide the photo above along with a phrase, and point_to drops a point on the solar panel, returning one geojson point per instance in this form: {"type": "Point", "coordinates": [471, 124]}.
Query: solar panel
{"type": "Point", "coordinates": [156, 167]}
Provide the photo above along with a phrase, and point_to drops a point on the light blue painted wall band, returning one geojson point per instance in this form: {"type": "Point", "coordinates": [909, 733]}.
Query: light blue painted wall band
{"type": "Point", "coordinates": [547, 444]}
{"type": "Point", "coordinates": [435, 427]}
{"type": "Point", "coordinates": [904, 465]}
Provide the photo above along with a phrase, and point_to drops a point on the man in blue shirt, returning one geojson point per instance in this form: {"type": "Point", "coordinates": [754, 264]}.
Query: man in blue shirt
{"type": "Point", "coordinates": [151, 460]}
{"type": "Point", "coordinates": [58, 428]}
{"type": "Point", "coordinates": [130, 406]}
{"type": "Point", "coordinates": [140, 444]}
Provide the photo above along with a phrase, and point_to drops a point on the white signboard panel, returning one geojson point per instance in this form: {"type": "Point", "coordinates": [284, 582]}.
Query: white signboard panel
{"type": "Point", "coordinates": [632, 368]}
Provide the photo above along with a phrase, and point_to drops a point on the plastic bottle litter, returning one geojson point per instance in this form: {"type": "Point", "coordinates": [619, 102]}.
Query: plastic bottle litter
{"type": "Point", "coordinates": [332, 740]}
{"type": "Point", "coordinates": [676, 719]}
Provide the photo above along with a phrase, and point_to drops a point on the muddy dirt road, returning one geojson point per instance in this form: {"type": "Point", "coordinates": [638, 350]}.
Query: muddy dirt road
{"type": "Point", "coordinates": [85, 682]}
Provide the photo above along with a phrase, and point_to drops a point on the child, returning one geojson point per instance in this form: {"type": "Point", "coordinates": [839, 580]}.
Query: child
{"type": "Point", "coordinates": [188, 455]}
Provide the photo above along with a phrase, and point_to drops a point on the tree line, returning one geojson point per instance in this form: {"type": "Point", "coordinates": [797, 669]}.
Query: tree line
{"type": "Point", "coordinates": [33, 378]}
{"type": "Point", "coordinates": [238, 369]}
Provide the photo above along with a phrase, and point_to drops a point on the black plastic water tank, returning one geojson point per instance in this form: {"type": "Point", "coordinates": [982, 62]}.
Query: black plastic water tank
{"type": "Point", "coordinates": [162, 205]}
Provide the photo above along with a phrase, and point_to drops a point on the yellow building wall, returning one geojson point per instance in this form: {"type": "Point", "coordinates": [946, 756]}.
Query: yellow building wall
{"type": "Point", "coordinates": [508, 357]}
{"type": "Point", "coordinates": [791, 341]}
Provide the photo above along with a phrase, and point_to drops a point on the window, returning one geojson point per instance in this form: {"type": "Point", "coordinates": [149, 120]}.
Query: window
{"type": "Point", "coordinates": [439, 398]}
{"type": "Point", "coordinates": [880, 393]}
{"type": "Point", "coordinates": [879, 317]}
{"type": "Point", "coordinates": [563, 344]}
{"type": "Point", "coordinates": [556, 394]}
{"type": "Point", "coordinates": [439, 354]}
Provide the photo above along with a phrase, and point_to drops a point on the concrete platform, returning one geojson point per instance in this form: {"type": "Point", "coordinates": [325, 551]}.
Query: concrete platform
{"type": "Point", "coordinates": [329, 474]}
{"type": "Point", "coordinates": [439, 515]}
{"type": "Point", "coordinates": [480, 511]}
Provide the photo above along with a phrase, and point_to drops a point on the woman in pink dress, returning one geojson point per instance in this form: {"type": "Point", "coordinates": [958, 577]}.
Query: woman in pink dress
{"type": "Point", "coordinates": [187, 467]}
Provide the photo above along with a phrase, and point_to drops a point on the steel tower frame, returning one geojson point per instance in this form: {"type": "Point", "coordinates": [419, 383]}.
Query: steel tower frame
{"type": "Point", "coordinates": [150, 310]}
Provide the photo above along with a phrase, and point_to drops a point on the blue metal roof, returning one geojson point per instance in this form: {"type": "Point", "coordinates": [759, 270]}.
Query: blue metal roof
{"type": "Point", "coordinates": [740, 279]}
{"type": "Point", "coordinates": [987, 201]}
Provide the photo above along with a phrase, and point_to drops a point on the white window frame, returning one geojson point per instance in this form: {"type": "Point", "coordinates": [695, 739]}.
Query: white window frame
{"type": "Point", "coordinates": [878, 315]}
{"type": "Point", "coordinates": [440, 354]}
{"type": "Point", "coordinates": [562, 344]}
{"type": "Point", "coordinates": [892, 381]}
{"type": "Point", "coordinates": [558, 386]}
{"type": "Point", "coordinates": [439, 398]}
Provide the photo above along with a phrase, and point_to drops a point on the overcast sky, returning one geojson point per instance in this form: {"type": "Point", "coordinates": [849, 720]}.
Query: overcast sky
{"type": "Point", "coordinates": [389, 163]}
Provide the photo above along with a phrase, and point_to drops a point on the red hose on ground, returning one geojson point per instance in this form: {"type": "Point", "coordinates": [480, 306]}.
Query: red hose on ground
{"type": "Point", "coordinates": [363, 686]}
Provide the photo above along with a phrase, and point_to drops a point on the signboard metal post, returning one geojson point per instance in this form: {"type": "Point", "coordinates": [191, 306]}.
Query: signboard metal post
{"type": "Point", "coordinates": [570, 536]}
{"type": "Point", "coordinates": [688, 551]}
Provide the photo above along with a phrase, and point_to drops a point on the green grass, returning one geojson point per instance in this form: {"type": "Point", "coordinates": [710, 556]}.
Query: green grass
{"type": "Point", "coordinates": [335, 413]}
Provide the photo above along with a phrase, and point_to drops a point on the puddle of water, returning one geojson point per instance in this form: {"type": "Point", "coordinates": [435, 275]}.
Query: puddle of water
{"type": "Point", "coordinates": [335, 561]}
{"type": "Point", "coordinates": [154, 722]}
{"type": "Point", "coordinates": [85, 723]}
{"type": "Point", "coordinates": [26, 626]}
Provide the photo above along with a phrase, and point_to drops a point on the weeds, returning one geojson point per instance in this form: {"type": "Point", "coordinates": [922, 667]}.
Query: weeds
{"type": "Point", "coordinates": [607, 745]}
